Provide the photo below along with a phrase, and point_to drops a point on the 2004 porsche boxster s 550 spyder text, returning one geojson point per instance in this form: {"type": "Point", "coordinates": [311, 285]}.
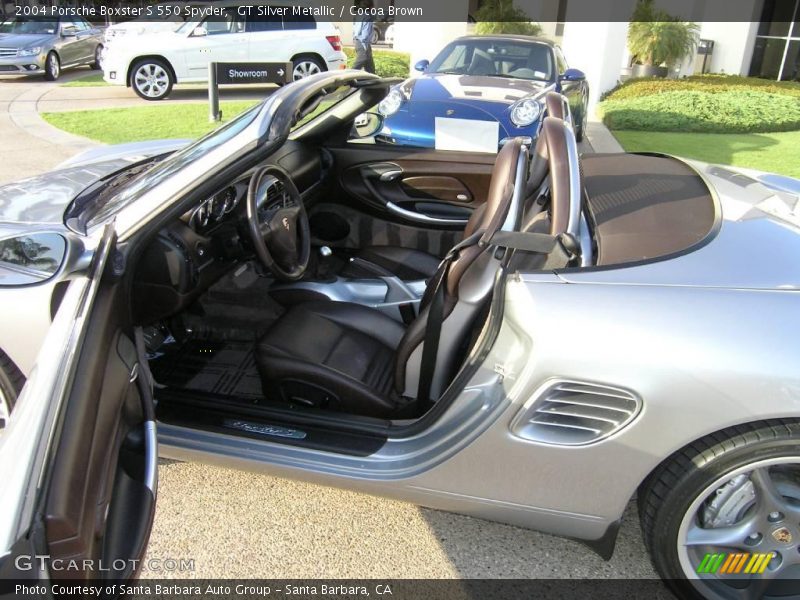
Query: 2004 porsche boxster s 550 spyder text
{"type": "Point", "coordinates": [533, 337]}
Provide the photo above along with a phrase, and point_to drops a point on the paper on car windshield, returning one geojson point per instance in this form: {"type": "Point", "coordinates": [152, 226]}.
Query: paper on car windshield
{"type": "Point", "coordinates": [467, 135]}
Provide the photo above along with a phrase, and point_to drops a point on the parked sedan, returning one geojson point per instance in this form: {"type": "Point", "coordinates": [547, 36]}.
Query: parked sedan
{"type": "Point", "coordinates": [529, 337]}
{"type": "Point", "coordinates": [41, 46]}
{"type": "Point", "coordinates": [487, 79]}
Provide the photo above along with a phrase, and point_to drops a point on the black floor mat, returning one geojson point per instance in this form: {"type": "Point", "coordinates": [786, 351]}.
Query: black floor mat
{"type": "Point", "coordinates": [226, 368]}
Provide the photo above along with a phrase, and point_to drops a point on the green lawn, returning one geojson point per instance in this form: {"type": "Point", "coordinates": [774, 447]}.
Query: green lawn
{"type": "Point", "coordinates": [773, 152]}
{"type": "Point", "coordinates": [120, 125]}
{"type": "Point", "coordinates": [93, 80]}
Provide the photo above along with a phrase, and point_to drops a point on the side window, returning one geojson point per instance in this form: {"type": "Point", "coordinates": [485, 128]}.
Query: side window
{"type": "Point", "coordinates": [299, 22]}
{"type": "Point", "coordinates": [231, 22]}
{"type": "Point", "coordinates": [260, 23]}
{"type": "Point", "coordinates": [561, 62]}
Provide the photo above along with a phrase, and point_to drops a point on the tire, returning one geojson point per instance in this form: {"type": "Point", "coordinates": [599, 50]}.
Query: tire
{"type": "Point", "coordinates": [152, 79]}
{"type": "Point", "coordinates": [52, 67]}
{"type": "Point", "coordinates": [736, 491]}
{"type": "Point", "coordinates": [305, 66]}
{"type": "Point", "coordinates": [376, 36]}
{"type": "Point", "coordinates": [96, 65]}
{"type": "Point", "coordinates": [11, 382]}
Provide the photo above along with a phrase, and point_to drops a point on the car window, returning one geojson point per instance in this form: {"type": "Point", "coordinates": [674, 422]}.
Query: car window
{"type": "Point", "coordinates": [30, 25]}
{"type": "Point", "coordinates": [499, 58]}
{"type": "Point", "coordinates": [326, 103]}
{"type": "Point", "coordinates": [230, 22]}
{"type": "Point", "coordinates": [561, 61]}
{"type": "Point", "coordinates": [300, 22]}
{"type": "Point", "coordinates": [264, 23]}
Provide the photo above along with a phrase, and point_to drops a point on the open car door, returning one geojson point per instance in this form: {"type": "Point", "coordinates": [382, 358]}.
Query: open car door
{"type": "Point", "coordinates": [78, 459]}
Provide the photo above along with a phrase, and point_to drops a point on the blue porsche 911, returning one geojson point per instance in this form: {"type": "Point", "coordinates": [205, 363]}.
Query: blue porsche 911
{"type": "Point", "coordinates": [497, 83]}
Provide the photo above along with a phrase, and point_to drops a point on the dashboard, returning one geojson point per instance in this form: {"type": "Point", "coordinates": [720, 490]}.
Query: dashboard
{"type": "Point", "coordinates": [197, 249]}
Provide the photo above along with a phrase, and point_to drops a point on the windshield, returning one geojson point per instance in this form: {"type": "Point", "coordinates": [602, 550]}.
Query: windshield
{"type": "Point", "coordinates": [27, 25]}
{"type": "Point", "coordinates": [166, 168]}
{"type": "Point", "coordinates": [496, 58]}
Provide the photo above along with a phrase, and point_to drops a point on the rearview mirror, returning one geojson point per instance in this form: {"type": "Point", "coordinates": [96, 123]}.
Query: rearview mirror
{"type": "Point", "coordinates": [199, 31]}
{"type": "Point", "coordinates": [366, 125]}
{"type": "Point", "coordinates": [422, 65]}
{"type": "Point", "coordinates": [573, 75]}
{"type": "Point", "coordinates": [69, 31]}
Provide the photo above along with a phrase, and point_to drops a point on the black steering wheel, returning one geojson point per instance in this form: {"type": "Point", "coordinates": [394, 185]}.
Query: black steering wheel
{"type": "Point", "coordinates": [278, 223]}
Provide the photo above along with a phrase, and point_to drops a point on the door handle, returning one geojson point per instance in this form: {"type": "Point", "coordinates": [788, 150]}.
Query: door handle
{"type": "Point", "coordinates": [387, 176]}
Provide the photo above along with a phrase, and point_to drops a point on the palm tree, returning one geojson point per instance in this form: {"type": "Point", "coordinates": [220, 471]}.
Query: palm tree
{"type": "Point", "coordinates": [657, 39]}
{"type": "Point", "coordinates": [501, 16]}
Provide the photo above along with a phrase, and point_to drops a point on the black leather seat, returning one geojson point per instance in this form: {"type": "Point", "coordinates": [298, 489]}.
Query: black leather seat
{"type": "Point", "coordinates": [413, 265]}
{"type": "Point", "coordinates": [350, 358]}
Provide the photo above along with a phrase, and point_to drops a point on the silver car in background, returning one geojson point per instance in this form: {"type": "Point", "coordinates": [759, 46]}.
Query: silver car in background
{"type": "Point", "coordinates": [47, 46]}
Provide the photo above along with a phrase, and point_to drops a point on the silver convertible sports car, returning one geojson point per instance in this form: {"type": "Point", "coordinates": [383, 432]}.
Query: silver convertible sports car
{"type": "Point", "coordinates": [531, 337]}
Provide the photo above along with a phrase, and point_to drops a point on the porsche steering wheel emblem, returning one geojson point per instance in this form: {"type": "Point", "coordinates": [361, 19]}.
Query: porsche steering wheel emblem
{"type": "Point", "coordinates": [285, 222]}
{"type": "Point", "coordinates": [450, 112]}
{"type": "Point", "coordinates": [782, 535]}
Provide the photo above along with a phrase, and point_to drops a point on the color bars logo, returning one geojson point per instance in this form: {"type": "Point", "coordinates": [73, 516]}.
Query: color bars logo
{"type": "Point", "coordinates": [732, 564]}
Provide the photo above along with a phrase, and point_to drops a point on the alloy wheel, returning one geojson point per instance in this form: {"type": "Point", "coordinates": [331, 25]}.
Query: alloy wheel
{"type": "Point", "coordinates": [753, 512]}
{"type": "Point", "coordinates": [54, 66]}
{"type": "Point", "coordinates": [152, 80]}
{"type": "Point", "coordinates": [304, 68]}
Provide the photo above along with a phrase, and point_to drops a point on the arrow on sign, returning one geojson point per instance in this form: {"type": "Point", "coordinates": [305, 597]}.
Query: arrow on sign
{"type": "Point", "coordinates": [281, 72]}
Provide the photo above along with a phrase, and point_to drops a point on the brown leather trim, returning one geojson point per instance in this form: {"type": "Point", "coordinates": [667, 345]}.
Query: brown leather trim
{"type": "Point", "coordinates": [554, 104]}
{"type": "Point", "coordinates": [555, 132]}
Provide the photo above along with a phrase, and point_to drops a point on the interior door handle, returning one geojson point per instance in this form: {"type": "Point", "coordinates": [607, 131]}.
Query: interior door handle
{"type": "Point", "coordinates": [387, 176]}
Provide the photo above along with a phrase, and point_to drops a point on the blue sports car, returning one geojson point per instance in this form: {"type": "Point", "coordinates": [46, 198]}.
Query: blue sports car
{"type": "Point", "coordinates": [495, 79]}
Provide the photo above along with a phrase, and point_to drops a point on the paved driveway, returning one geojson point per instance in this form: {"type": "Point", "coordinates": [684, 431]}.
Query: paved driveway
{"type": "Point", "coordinates": [237, 524]}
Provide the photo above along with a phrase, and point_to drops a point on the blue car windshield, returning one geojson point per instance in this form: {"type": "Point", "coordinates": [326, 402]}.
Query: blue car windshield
{"type": "Point", "coordinates": [29, 26]}
{"type": "Point", "coordinates": [512, 59]}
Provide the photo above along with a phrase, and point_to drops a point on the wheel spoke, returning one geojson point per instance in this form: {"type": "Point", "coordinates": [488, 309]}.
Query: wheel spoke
{"type": "Point", "coordinates": [768, 497]}
{"type": "Point", "coordinates": [725, 537]}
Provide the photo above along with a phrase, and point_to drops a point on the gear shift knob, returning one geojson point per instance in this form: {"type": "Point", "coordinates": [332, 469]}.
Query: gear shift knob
{"type": "Point", "coordinates": [325, 251]}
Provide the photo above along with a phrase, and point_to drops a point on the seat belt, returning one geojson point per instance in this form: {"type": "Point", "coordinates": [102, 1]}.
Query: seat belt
{"type": "Point", "coordinates": [542, 243]}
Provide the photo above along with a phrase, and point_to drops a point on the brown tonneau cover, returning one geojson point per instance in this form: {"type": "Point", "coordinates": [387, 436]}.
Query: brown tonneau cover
{"type": "Point", "coordinates": [644, 206]}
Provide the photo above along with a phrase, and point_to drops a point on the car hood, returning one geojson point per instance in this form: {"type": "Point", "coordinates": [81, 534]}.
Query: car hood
{"type": "Point", "coordinates": [443, 87]}
{"type": "Point", "coordinates": [44, 199]}
{"type": "Point", "coordinates": [23, 40]}
{"type": "Point", "coordinates": [754, 248]}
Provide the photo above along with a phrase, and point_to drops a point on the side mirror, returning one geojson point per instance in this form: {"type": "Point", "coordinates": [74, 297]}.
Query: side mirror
{"type": "Point", "coordinates": [199, 31]}
{"type": "Point", "coordinates": [366, 125]}
{"type": "Point", "coordinates": [573, 75]}
{"type": "Point", "coordinates": [69, 31]}
{"type": "Point", "coordinates": [422, 65]}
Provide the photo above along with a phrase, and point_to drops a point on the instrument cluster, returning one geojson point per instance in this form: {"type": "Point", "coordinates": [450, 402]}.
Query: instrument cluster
{"type": "Point", "coordinates": [215, 209]}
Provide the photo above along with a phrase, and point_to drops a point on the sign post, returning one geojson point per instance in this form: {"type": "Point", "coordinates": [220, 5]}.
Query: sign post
{"type": "Point", "coordinates": [245, 73]}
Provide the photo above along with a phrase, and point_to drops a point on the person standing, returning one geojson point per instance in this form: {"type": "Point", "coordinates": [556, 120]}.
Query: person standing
{"type": "Point", "coordinates": [362, 38]}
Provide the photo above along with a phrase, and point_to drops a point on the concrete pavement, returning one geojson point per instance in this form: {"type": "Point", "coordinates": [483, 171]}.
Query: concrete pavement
{"type": "Point", "coordinates": [237, 524]}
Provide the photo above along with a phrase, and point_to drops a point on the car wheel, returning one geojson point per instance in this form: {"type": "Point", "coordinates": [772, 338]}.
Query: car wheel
{"type": "Point", "coordinates": [721, 518]}
{"type": "Point", "coordinates": [11, 382]}
{"type": "Point", "coordinates": [376, 37]}
{"type": "Point", "coordinates": [97, 64]}
{"type": "Point", "coordinates": [304, 66]}
{"type": "Point", "coordinates": [52, 67]}
{"type": "Point", "coordinates": [151, 79]}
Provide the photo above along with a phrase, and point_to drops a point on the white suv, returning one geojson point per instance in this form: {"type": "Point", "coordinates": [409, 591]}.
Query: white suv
{"type": "Point", "coordinates": [151, 63]}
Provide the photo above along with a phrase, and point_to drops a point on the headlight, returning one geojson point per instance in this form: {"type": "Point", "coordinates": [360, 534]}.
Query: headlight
{"type": "Point", "coordinates": [525, 113]}
{"type": "Point", "coordinates": [30, 51]}
{"type": "Point", "coordinates": [392, 103]}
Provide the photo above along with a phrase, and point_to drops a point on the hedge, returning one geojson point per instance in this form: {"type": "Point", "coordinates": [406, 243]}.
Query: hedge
{"type": "Point", "coordinates": [714, 84]}
{"type": "Point", "coordinates": [387, 62]}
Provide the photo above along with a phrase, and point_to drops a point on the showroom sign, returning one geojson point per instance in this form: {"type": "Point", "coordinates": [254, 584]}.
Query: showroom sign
{"type": "Point", "coordinates": [242, 73]}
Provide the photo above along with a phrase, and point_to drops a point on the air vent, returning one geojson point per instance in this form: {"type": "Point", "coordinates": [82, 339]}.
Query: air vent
{"type": "Point", "coordinates": [572, 414]}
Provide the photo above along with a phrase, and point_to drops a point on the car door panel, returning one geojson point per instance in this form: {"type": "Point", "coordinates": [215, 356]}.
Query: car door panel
{"type": "Point", "coordinates": [98, 497]}
{"type": "Point", "coordinates": [437, 189]}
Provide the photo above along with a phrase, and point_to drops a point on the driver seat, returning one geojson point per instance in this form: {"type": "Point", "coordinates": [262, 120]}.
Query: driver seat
{"type": "Point", "coordinates": [351, 358]}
